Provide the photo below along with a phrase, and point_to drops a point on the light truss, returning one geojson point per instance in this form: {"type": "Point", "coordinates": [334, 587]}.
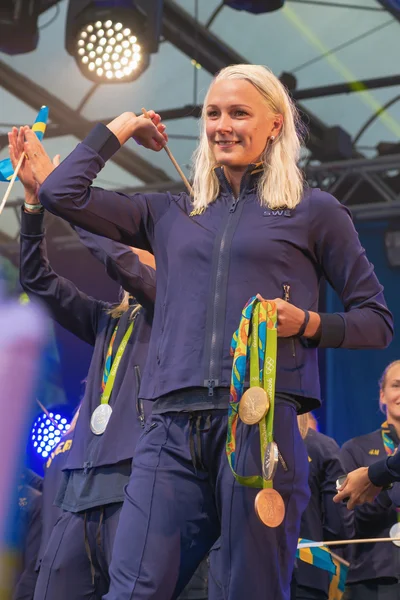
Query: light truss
{"type": "Point", "coordinates": [369, 187]}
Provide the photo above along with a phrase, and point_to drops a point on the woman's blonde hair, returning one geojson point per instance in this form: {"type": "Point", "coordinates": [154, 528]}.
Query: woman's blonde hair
{"type": "Point", "coordinates": [281, 183]}
{"type": "Point", "coordinates": [382, 382]}
{"type": "Point", "coordinates": [117, 311]}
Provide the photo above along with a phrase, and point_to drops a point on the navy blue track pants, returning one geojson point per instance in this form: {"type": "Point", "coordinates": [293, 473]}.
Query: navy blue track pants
{"type": "Point", "coordinates": [182, 496]}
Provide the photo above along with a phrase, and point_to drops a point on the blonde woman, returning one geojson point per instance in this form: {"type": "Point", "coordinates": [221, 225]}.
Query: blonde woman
{"type": "Point", "coordinates": [372, 461]}
{"type": "Point", "coordinates": [249, 228]}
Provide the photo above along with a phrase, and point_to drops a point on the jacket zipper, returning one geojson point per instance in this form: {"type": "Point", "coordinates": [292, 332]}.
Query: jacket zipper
{"type": "Point", "coordinates": [213, 381]}
{"type": "Point", "coordinates": [286, 297]}
{"type": "Point", "coordinates": [139, 403]}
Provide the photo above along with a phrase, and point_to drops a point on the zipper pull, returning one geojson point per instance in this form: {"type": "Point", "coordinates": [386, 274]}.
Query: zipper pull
{"type": "Point", "coordinates": [211, 385]}
{"type": "Point", "coordinates": [86, 466]}
{"type": "Point", "coordinates": [286, 292]}
{"type": "Point", "coordinates": [286, 297]}
{"type": "Point", "coordinates": [233, 205]}
{"type": "Point", "coordinates": [282, 461]}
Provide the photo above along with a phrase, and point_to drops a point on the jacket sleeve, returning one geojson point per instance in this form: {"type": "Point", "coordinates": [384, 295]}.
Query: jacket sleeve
{"type": "Point", "coordinates": [338, 522]}
{"type": "Point", "coordinates": [124, 266]}
{"type": "Point", "coordinates": [385, 472]}
{"type": "Point", "coordinates": [370, 518]}
{"type": "Point", "coordinates": [70, 307]}
{"type": "Point", "coordinates": [366, 321]}
{"type": "Point", "coordinates": [68, 193]}
{"type": "Point", "coordinates": [25, 586]}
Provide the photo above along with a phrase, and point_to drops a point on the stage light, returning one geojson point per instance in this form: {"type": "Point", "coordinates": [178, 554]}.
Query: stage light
{"type": "Point", "coordinates": [99, 34]}
{"type": "Point", "coordinates": [18, 25]}
{"type": "Point", "coordinates": [255, 6]}
{"type": "Point", "coordinates": [47, 431]}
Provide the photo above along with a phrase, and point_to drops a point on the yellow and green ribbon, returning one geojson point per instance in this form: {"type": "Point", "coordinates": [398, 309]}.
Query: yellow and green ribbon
{"type": "Point", "coordinates": [256, 338]}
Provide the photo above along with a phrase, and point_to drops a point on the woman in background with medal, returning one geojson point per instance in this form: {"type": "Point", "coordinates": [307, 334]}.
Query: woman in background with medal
{"type": "Point", "coordinates": [375, 568]}
{"type": "Point", "coordinates": [75, 563]}
{"type": "Point", "coordinates": [249, 228]}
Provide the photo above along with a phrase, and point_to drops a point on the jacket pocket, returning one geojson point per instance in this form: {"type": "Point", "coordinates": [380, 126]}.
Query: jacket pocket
{"type": "Point", "coordinates": [161, 336]}
{"type": "Point", "coordinates": [139, 403]}
{"type": "Point", "coordinates": [286, 296]}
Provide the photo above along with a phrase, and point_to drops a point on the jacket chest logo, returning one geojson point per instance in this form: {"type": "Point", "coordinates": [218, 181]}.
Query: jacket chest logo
{"type": "Point", "coordinates": [374, 452]}
{"type": "Point", "coordinates": [277, 213]}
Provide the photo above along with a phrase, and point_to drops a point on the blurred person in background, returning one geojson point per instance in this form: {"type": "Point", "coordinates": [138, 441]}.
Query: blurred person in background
{"type": "Point", "coordinates": [375, 567]}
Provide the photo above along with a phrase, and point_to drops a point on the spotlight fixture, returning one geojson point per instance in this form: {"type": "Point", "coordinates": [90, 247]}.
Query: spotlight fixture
{"type": "Point", "coordinates": [255, 6]}
{"type": "Point", "coordinates": [47, 431]}
{"type": "Point", "coordinates": [111, 40]}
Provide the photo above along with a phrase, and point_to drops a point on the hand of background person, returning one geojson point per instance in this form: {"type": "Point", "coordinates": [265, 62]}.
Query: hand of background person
{"type": "Point", "coordinates": [357, 488]}
{"type": "Point", "coordinates": [38, 161]}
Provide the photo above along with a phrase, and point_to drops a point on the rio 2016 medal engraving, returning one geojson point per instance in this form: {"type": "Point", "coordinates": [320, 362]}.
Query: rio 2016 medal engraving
{"type": "Point", "coordinates": [270, 462]}
{"type": "Point", "coordinates": [100, 417]}
{"type": "Point", "coordinates": [253, 405]}
{"type": "Point", "coordinates": [270, 507]}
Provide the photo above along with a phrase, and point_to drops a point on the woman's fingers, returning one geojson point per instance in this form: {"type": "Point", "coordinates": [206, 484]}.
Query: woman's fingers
{"type": "Point", "coordinates": [56, 160]}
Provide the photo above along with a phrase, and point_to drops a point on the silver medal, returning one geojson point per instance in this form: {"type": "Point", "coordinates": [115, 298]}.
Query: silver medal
{"type": "Point", "coordinates": [100, 417]}
{"type": "Point", "coordinates": [270, 461]}
{"type": "Point", "coordinates": [395, 533]}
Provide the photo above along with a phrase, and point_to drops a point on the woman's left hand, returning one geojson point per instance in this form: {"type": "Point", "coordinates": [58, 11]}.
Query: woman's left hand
{"type": "Point", "coordinates": [291, 318]}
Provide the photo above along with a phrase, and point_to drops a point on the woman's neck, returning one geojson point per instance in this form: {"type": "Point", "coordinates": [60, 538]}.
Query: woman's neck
{"type": "Point", "coordinates": [234, 177]}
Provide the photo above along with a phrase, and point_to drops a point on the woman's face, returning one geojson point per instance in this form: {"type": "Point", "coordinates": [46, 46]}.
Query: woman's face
{"type": "Point", "coordinates": [238, 123]}
{"type": "Point", "coordinates": [390, 395]}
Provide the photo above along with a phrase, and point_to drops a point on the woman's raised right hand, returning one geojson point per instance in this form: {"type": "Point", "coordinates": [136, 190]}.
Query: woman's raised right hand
{"type": "Point", "coordinates": [146, 131]}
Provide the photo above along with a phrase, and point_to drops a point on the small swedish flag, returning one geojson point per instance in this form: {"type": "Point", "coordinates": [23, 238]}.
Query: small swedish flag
{"type": "Point", "coordinates": [39, 127]}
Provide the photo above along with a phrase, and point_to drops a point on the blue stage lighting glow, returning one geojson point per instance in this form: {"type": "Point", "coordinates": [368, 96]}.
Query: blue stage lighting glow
{"type": "Point", "coordinates": [46, 432]}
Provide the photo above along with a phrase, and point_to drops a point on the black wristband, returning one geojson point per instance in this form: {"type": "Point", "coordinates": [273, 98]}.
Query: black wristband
{"type": "Point", "coordinates": [302, 329]}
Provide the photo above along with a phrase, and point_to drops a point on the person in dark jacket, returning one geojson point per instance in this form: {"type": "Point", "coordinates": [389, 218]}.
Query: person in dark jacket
{"type": "Point", "coordinates": [249, 228]}
{"type": "Point", "coordinates": [365, 483]}
{"type": "Point", "coordinates": [322, 519]}
{"type": "Point", "coordinates": [95, 493]}
{"type": "Point", "coordinates": [375, 567]}
{"type": "Point", "coordinates": [98, 463]}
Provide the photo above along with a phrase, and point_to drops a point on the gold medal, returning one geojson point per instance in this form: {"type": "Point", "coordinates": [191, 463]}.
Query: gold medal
{"type": "Point", "coordinates": [302, 422]}
{"type": "Point", "coordinates": [270, 507]}
{"type": "Point", "coordinates": [270, 462]}
{"type": "Point", "coordinates": [253, 405]}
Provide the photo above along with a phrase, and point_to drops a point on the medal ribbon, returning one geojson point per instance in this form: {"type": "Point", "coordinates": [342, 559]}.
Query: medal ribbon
{"type": "Point", "coordinates": [390, 449]}
{"type": "Point", "coordinates": [109, 374]}
{"type": "Point", "coordinates": [263, 349]}
{"type": "Point", "coordinates": [388, 443]}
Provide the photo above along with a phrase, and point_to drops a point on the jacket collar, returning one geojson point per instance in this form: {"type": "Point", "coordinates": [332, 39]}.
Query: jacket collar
{"type": "Point", "coordinates": [249, 178]}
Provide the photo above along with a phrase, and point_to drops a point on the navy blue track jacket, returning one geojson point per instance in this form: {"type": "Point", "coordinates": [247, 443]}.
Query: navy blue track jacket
{"type": "Point", "coordinates": [210, 264]}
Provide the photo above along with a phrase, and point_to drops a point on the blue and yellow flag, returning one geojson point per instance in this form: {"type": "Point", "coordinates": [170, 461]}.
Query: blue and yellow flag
{"type": "Point", "coordinates": [39, 127]}
{"type": "Point", "coordinates": [320, 556]}
{"type": "Point", "coordinates": [338, 581]}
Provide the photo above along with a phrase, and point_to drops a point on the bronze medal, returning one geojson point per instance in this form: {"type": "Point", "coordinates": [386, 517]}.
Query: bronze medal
{"type": "Point", "coordinates": [100, 417]}
{"type": "Point", "coordinates": [270, 462]}
{"type": "Point", "coordinates": [253, 405]}
{"type": "Point", "coordinates": [270, 507]}
{"type": "Point", "coordinates": [302, 422]}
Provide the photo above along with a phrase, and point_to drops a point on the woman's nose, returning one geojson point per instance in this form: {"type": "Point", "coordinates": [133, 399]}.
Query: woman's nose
{"type": "Point", "coordinates": [224, 123]}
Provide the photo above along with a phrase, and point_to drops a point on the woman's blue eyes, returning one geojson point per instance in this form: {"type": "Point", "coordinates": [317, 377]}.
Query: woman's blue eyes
{"type": "Point", "coordinates": [237, 113]}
